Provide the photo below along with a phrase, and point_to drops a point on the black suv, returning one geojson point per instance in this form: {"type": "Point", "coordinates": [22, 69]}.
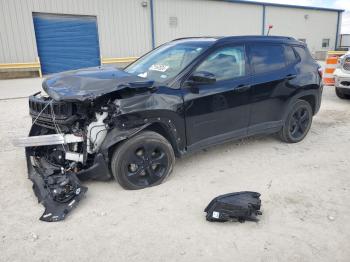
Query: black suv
{"type": "Point", "coordinates": [185, 95]}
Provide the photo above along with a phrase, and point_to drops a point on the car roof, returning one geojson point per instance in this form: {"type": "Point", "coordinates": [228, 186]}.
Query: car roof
{"type": "Point", "coordinates": [250, 38]}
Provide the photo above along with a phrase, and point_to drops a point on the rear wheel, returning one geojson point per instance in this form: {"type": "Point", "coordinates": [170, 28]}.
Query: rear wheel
{"type": "Point", "coordinates": [298, 122]}
{"type": "Point", "coordinates": [142, 161]}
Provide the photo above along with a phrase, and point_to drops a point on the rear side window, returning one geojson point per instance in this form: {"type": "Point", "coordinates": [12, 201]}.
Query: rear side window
{"type": "Point", "coordinates": [267, 57]}
{"type": "Point", "coordinates": [289, 54]}
{"type": "Point", "coordinates": [302, 52]}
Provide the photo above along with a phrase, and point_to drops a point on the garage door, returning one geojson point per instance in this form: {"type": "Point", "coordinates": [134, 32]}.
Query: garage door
{"type": "Point", "coordinates": [66, 42]}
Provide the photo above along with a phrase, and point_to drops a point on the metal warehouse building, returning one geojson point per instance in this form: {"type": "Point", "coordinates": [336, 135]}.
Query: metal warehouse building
{"type": "Point", "coordinates": [68, 34]}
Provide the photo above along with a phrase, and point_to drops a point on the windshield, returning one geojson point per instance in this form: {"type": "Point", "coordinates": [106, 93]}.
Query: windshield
{"type": "Point", "coordinates": [167, 61]}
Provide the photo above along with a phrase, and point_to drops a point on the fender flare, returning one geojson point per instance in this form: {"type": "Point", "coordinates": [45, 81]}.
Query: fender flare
{"type": "Point", "coordinates": [117, 135]}
{"type": "Point", "coordinates": [314, 93]}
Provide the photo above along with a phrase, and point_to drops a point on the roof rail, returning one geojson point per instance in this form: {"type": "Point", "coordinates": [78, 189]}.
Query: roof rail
{"type": "Point", "coordinates": [190, 37]}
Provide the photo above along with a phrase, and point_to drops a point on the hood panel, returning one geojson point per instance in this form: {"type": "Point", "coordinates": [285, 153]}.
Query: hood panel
{"type": "Point", "coordinates": [88, 84]}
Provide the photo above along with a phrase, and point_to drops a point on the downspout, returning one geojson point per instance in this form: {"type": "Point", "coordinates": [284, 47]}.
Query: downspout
{"type": "Point", "coordinates": [152, 24]}
{"type": "Point", "coordinates": [263, 20]}
{"type": "Point", "coordinates": [336, 36]}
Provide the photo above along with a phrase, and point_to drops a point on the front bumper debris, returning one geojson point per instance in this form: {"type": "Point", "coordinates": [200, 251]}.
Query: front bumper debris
{"type": "Point", "coordinates": [59, 192]}
{"type": "Point", "coordinates": [240, 206]}
{"type": "Point", "coordinates": [44, 140]}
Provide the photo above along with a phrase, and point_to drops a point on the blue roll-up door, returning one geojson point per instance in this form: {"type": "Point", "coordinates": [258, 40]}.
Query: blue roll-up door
{"type": "Point", "coordinates": [66, 42]}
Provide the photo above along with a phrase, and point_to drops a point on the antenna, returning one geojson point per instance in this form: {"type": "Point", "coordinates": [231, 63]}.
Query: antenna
{"type": "Point", "coordinates": [268, 31]}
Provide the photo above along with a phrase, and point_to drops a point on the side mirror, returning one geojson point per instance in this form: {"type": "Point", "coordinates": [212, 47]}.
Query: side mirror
{"type": "Point", "coordinates": [201, 78]}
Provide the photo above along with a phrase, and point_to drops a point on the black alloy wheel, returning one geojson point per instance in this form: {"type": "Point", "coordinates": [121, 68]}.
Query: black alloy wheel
{"type": "Point", "coordinates": [142, 161]}
{"type": "Point", "coordinates": [298, 122]}
{"type": "Point", "coordinates": [146, 165]}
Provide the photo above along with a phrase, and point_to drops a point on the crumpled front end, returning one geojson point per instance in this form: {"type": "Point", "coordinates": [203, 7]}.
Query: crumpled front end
{"type": "Point", "coordinates": [61, 150]}
{"type": "Point", "coordinates": [75, 127]}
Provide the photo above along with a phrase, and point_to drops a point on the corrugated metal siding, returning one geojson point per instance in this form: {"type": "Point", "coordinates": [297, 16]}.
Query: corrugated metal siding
{"type": "Point", "coordinates": [125, 29]}
{"type": "Point", "coordinates": [345, 40]}
{"type": "Point", "coordinates": [203, 18]}
{"type": "Point", "coordinates": [312, 25]}
{"type": "Point", "coordinates": [123, 25]}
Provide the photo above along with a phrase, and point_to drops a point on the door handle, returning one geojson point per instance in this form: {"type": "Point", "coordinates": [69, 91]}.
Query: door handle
{"type": "Point", "coordinates": [290, 76]}
{"type": "Point", "coordinates": [242, 88]}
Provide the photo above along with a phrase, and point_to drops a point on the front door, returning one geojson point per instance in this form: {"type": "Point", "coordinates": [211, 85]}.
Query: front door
{"type": "Point", "coordinates": [218, 111]}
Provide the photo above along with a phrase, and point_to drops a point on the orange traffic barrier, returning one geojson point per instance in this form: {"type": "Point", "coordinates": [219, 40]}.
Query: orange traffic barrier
{"type": "Point", "coordinates": [331, 65]}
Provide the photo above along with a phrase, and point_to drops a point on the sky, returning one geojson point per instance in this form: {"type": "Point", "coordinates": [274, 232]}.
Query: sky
{"type": "Point", "coordinates": [338, 4]}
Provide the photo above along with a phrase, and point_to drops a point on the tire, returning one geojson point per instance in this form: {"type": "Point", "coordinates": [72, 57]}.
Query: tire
{"type": "Point", "coordinates": [340, 94]}
{"type": "Point", "coordinates": [298, 122]}
{"type": "Point", "coordinates": [142, 161]}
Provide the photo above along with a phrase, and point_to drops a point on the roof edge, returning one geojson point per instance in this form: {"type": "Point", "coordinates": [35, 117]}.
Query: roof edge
{"type": "Point", "coordinates": [283, 5]}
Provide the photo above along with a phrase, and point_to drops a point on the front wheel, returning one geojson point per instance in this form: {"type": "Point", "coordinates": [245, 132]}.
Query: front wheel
{"type": "Point", "coordinates": [298, 122]}
{"type": "Point", "coordinates": [142, 161]}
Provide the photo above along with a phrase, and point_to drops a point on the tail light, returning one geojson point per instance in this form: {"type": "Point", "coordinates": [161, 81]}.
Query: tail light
{"type": "Point", "coordinates": [320, 71]}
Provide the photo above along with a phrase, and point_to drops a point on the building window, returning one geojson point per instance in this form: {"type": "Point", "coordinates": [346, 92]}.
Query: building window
{"type": "Point", "coordinates": [302, 40]}
{"type": "Point", "coordinates": [173, 21]}
{"type": "Point", "coordinates": [325, 42]}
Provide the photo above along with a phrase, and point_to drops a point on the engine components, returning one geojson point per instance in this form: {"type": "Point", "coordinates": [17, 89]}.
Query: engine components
{"type": "Point", "coordinates": [96, 133]}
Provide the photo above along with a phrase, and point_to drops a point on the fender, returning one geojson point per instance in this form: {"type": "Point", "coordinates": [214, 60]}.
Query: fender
{"type": "Point", "coordinates": [117, 135]}
{"type": "Point", "coordinates": [315, 93]}
{"type": "Point", "coordinates": [168, 129]}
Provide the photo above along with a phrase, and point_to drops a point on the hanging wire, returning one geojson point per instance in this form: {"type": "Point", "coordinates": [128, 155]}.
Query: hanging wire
{"type": "Point", "coordinates": [58, 130]}
{"type": "Point", "coordinates": [41, 112]}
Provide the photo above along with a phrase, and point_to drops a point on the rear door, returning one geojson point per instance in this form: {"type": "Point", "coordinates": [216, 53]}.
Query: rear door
{"type": "Point", "coordinates": [272, 84]}
{"type": "Point", "coordinates": [220, 110]}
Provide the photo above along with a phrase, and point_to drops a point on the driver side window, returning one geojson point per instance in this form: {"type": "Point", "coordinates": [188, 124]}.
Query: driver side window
{"type": "Point", "coordinates": [225, 63]}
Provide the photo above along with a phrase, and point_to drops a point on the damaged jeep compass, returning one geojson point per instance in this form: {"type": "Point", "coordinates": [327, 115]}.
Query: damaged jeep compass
{"type": "Point", "coordinates": [188, 94]}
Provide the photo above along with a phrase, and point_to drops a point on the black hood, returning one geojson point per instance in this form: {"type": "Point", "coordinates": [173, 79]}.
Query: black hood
{"type": "Point", "coordinates": [88, 84]}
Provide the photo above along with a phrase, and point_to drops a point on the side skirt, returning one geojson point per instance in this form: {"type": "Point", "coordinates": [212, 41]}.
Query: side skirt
{"type": "Point", "coordinates": [264, 128]}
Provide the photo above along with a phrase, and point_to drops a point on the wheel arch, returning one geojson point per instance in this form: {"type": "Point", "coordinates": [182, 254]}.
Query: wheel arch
{"type": "Point", "coordinates": [170, 134]}
{"type": "Point", "coordinates": [310, 96]}
{"type": "Point", "coordinates": [311, 99]}
{"type": "Point", "coordinates": [117, 136]}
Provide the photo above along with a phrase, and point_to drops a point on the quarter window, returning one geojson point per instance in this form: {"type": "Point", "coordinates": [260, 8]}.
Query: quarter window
{"type": "Point", "coordinates": [302, 52]}
{"type": "Point", "coordinates": [225, 63]}
{"type": "Point", "coordinates": [289, 54]}
{"type": "Point", "coordinates": [325, 42]}
{"type": "Point", "coordinates": [266, 58]}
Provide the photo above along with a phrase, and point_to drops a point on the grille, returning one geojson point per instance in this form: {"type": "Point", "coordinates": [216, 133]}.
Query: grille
{"type": "Point", "coordinates": [346, 64]}
{"type": "Point", "coordinates": [64, 112]}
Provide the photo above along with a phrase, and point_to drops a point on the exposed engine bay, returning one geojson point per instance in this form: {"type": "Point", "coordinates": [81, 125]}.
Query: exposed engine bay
{"type": "Point", "coordinates": [63, 144]}
{"type": "Point", "coordinates": [69, 127]}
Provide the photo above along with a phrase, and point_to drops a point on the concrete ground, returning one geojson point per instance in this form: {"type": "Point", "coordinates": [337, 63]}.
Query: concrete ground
{"type": "Point", "coordinates": [305, 191]}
